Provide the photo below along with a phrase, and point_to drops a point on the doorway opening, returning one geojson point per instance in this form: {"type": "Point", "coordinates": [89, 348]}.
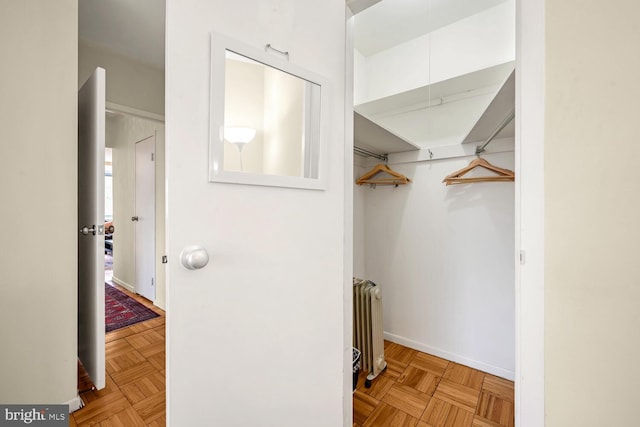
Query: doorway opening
{"type": "Point", "coordinates": [108, 214]}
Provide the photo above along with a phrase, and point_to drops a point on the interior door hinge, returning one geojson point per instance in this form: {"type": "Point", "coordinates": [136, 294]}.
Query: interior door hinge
{"type": "Point", "coordinates": [523, 258]}
{"type": "Point", "coordinates": [152, 281]}
{"type": "Point", "coordinates": [164, 259]}
{"type": "Point", "coordinates": [153, 156]}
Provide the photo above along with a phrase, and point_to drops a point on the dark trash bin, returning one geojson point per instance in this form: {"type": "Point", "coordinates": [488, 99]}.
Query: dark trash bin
{"type": "Point", "coordinates": [356, 366]}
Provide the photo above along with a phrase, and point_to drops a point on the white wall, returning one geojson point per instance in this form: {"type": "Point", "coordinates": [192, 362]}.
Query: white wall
{"type": "Point", "coordinates": [592, 238]}
{"type": "Point", "coordinates": [272, 103]}
{"type": "Point", "coordinates": [359, 225]}
{"type": "Point", "coordinates": [443, 256]}
{"type": "Point", "coordinates": [284, 108]}
{"type": "Point", "coordinates": [122, 132]}
{"type": "Point", "coordinates": [474, 43]}
{"type": "Point", "coordinates": [38, 212]}
{"type": "Point", "coordinates": [244, 106]}
{"type": "Point", "coordinates": [129, 82]}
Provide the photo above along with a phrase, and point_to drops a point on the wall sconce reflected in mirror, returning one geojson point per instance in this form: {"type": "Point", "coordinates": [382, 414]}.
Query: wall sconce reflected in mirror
{"type": "Point", "coordinates": [239, 136]}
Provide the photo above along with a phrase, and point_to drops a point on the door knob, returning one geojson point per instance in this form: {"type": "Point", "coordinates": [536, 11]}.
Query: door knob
{"type": "Point", "coordinates": [86, 230]}
{"type": "Point", "coordinates": [194, 257]}
{"type": "Point", "coordinates": [134, 218]}
{"type": "Point", "coordinates": [110, 229]}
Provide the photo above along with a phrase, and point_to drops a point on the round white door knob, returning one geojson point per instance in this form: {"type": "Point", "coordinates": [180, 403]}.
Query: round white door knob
{"type": "Point", "coordinates": [194, 257]}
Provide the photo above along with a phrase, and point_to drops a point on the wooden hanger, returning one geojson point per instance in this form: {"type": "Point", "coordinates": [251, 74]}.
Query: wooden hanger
{"type": "Point", "coordinates": [457, 176]}
{"type": "Point", "coordinates": [395, 179]}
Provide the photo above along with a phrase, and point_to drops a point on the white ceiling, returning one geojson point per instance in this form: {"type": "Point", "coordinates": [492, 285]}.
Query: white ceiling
{"type": "Point", "coordinates": [391, 22]}
{"type": "Point", "coordinates": [134, 28]}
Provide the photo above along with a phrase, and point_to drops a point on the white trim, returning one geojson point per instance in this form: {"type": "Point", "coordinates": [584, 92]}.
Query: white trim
{"type": "Point", "coordinates": [347, 298]}
{"type": "Point", "coordinates": [529, 221]}
{"type": "Point", "coordinates": [75, 404]}
{"type": "Point", "coordinates": [124, 284]}
{"type": "Point", "coordinates": [113, 107]}
{"type": "Point", "coordinates": [453, 357]}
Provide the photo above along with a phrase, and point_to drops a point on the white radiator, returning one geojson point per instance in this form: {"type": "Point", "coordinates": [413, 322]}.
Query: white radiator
{"type": "Point", "coordinates": [367, 327]}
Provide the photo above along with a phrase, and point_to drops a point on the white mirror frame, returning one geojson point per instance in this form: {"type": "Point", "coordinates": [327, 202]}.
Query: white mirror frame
{"type": "Point", "coordinates": [219, 45]}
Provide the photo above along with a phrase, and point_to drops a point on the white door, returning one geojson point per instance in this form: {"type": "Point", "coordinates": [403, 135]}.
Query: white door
{"type": "Point", "coordinates": [91, 122]}
{"type": "Point", "coordinates": [257, 336]}
{"type": "Point", "coordinates": [145, 218]}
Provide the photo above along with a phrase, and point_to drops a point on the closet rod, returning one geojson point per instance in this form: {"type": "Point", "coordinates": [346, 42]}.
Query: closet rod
{"type": "Point", "coordinates": [367, 153]}
{"type": "Point", "coordinates": [502, 125]}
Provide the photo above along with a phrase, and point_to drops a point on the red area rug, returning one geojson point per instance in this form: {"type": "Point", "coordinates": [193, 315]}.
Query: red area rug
{"type": "Point", "coordinates": [121, 310]}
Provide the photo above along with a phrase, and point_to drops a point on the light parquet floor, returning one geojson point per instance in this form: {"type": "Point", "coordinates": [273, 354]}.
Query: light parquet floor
{"type": "Point", "coordinates": [420, 390]}
{"type": "Point", "coordinates": [416, 389]}
{"type": "Point", "coordinates": [135, 385]}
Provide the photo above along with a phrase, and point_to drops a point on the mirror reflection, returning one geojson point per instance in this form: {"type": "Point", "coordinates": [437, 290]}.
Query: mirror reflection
{"type": "Point", "coordinates": [271, 120]}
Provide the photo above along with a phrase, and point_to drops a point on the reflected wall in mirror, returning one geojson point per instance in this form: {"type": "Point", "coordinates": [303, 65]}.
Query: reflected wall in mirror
{"type": "Point", "coordinates": [266, 116]}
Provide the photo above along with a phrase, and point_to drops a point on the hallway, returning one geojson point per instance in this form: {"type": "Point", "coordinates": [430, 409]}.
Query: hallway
{"type": "Point", "coordinates": [135, 384]}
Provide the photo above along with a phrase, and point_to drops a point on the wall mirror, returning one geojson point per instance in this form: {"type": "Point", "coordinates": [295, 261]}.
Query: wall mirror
{"type": "Point", "coordinates": [266, 118]}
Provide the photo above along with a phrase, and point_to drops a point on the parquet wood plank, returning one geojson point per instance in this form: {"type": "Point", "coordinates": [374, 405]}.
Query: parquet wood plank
{"type": "Point", "coordinates": [127, 418]}
{"type": "Point", "coordinates": [496, 409]}
{"type": "Point", "coordinates": [420, 380]}
{"type": "Point", "coordinates": [394, 369]}
{"type": "Point", "coordinates": [455, 395]}
{"type": "Point", "coordinates": [152, 407]}
{"type": "Point", "coordinates": [458, 395]}
{"type": "Point", "coordinates": [159, 422]}
{"type": "Point", "coordinates": [464, 375]}
{"type": "Point", "coordinates": [443, 414]}
{"type": "Point", "coordinates": [407, 399]}
{"type": "Point", "coordinates": [387, 415]}
{"type": "Point", "coordinates": [499, 387]}
{"type": "Point", "coordinates": [482, 422]}
{"type": "Point", "coordinates": [135, 384]}
{"type": "Point", "coordinates": [117, 348]}
{"type": "Point", "coordinates": [118, 334]}
{"type": "Point", "coordinates": [124, 361]}
{"type": "Point", "coordinates": [363, 406]}
{"type": "Point", "coordinates": [144, 387]}
{"type": "Point", "coordinates": [101, 409]}
{"type": "Point", "coordinates": [133, 373]}
{"type": "Point", "coordinates": [429, 363]}
{"type": "Point", "coordinates": [158, 360]}
{"type": "Point", "coordinates": [379, 387]}
{"type": "Point", "coordinates": [89, 395]}
{"type": "Point", "coordinates": [400, 354]}
{"type": "Point", "coordinates": [143, 340]}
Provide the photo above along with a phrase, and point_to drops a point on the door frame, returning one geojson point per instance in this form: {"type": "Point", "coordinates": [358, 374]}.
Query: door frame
{"type": "Point", "coordinates": [529, 280]}
{"type": "Point", "coordinates": [115, 108]}
{"type": "Point", "coordinates": [529, 209]}
{"type": "Point", "coordinates": [135, 205]}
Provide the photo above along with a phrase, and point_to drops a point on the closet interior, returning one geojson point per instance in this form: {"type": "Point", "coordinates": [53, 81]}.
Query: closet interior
{"type": "Point", "coordinates": [434, 97]}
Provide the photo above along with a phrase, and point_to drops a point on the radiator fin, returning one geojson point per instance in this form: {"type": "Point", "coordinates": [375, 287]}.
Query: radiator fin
{"type": "Point", "coordinates": [368, 326]}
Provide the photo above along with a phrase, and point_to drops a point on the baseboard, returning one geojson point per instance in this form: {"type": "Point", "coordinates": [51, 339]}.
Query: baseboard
{"type": "Point", "coordinates": [75, 404]}
{"type": "Point", "coordinates": [485, 367]}
{"type": "Point", "coordinates": [124, 284]}
{"type": "Point", "coordinates": [160, 305]}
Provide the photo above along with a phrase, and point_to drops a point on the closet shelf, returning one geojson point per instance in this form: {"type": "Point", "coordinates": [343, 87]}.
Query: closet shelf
{"type": "Point", "coordinates": [376, 139]}
{"type": "Point", "coordinates": [499, 108]}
